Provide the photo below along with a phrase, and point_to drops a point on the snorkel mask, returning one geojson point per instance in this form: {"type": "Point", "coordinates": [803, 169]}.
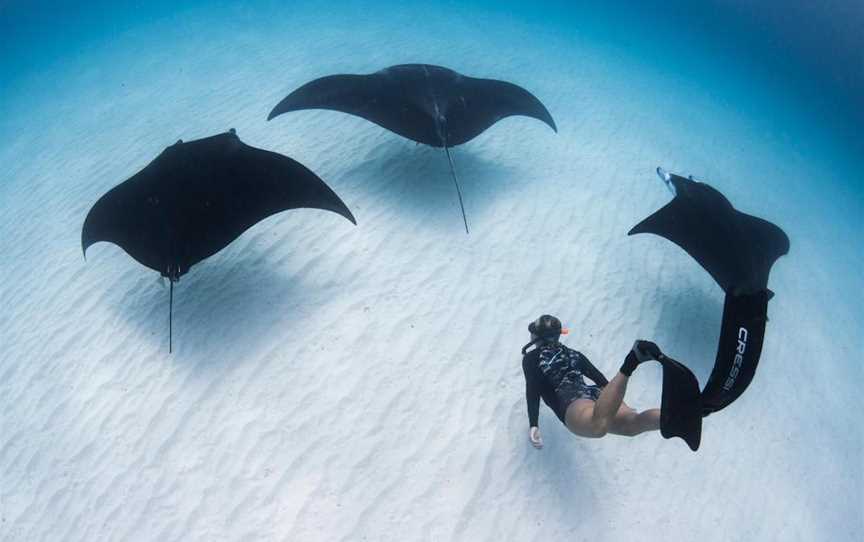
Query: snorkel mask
{"type": "Point", "coordinates": [545, 328]}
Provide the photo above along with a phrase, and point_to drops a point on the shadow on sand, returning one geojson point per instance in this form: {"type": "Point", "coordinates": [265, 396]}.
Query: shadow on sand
{"type": "Point", "coordinates": [688, 328]}
{"type": "Point", "coordinates": [559, 475]}
{"type": "Point", "coordinates": [415, 180]}
{"type": "Point", "coordinates": [227, 302]}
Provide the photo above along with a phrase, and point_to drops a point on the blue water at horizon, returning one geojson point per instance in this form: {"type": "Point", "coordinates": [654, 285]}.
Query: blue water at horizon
{"type": "Point", "coordinates": [814, 54]}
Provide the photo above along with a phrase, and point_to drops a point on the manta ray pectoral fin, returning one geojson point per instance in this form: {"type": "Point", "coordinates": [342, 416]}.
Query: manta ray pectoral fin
{"type": "Point", "coordinates": [484, 102]}
{"type": "Point", "coordinates": [655, 223]}
{"type": "Point", "coordinates": [767, 242]}
{"type": "Point", "coordinates": [518, 101]}
{"type": "Point", "coordinates": [347, 93]}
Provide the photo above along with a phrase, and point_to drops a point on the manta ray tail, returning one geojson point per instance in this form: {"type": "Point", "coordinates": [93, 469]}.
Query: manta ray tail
{"type": "Point", "coordinates": [170, 312]}
{"type": "Point", "coordinates": [742, 333]}
{"type": "Point", "coordinates": [456, 182]}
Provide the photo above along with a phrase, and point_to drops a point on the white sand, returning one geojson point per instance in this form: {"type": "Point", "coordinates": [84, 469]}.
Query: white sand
{"type": "Point", "coordinates": [332, 382]}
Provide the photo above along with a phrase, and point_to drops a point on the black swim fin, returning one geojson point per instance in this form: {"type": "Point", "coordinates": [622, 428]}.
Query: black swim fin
{"type": "Point", "coordinates": [681, 405]}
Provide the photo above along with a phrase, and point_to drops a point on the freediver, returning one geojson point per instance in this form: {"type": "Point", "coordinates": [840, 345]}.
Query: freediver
{"type": "Point", "coordinates": [556, 373]}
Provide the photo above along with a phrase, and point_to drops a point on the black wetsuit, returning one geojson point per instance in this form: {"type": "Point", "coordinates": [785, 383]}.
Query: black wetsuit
{"type": "Point", "coordinates": [555, 373]}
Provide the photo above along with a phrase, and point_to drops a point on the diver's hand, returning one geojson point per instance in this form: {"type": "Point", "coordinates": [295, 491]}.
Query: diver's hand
{"type": "Point", "coordinates": [645, 350]}
{"type": "Point", "coordinates": [535, 438]}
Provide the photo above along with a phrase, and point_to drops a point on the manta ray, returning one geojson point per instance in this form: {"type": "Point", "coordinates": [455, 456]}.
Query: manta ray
{"type": "Point", "coordinates": [195, 198]}
{"type": "Point", "coordinates": [738, 251]}
{"type": "Point", "coordinates": [428, 104]}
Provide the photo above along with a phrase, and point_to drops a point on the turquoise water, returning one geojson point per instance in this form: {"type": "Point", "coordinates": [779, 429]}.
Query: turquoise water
{"type": "Point", "coordinates": [794, 71]}
{"type": "Point", "coordinates": [813, 53]}
{"type": "Point", "coordinates": [762, 100]}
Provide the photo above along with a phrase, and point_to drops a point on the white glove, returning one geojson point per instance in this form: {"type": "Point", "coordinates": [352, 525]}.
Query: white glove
{"type": "Point", "coordinates": [535, 438]}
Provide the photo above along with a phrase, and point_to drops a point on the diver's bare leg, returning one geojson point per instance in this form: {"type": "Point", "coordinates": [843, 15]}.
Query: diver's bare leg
{"type": "Point", "coordinates": [629, 423]}
{"type": "Point", "coordinates": [609, 402]}
{"type": "Point", "coordinates": [589, 419]}
{"type": "Point", "coordinates": [649, 420]}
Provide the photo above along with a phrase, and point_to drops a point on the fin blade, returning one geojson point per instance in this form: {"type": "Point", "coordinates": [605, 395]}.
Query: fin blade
{"type": "Point", "coordinates": [681, 405]}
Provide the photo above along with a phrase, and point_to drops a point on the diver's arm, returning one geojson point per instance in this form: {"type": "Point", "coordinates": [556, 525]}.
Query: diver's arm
{"type": "Point", "coordinates": [532, 394]}
{"type": "Point", "coordinates": [593, 372]}
{"type": "Point", "coordinates": [532, 398]}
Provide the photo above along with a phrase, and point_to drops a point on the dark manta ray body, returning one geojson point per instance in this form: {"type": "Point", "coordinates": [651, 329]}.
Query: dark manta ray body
{"type": "Point", "coordinates": [738, 251]}
{"type": "Point", "coordinates": [193, 199]}
{"type": "Point", "coordinates": [428, 104]}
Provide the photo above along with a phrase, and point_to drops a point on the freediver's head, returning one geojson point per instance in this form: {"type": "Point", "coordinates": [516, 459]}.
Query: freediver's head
{"type": "Point", "coordinates": [546, 329]}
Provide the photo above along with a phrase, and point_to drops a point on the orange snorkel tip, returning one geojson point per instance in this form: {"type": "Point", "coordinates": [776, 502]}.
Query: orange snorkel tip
{"type": "Point", "coordinates": [564, 331]}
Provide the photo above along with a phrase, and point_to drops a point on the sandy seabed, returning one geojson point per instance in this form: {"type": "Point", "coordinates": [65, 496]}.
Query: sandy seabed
{"type": "Point", "coordinates": [333, 382]}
